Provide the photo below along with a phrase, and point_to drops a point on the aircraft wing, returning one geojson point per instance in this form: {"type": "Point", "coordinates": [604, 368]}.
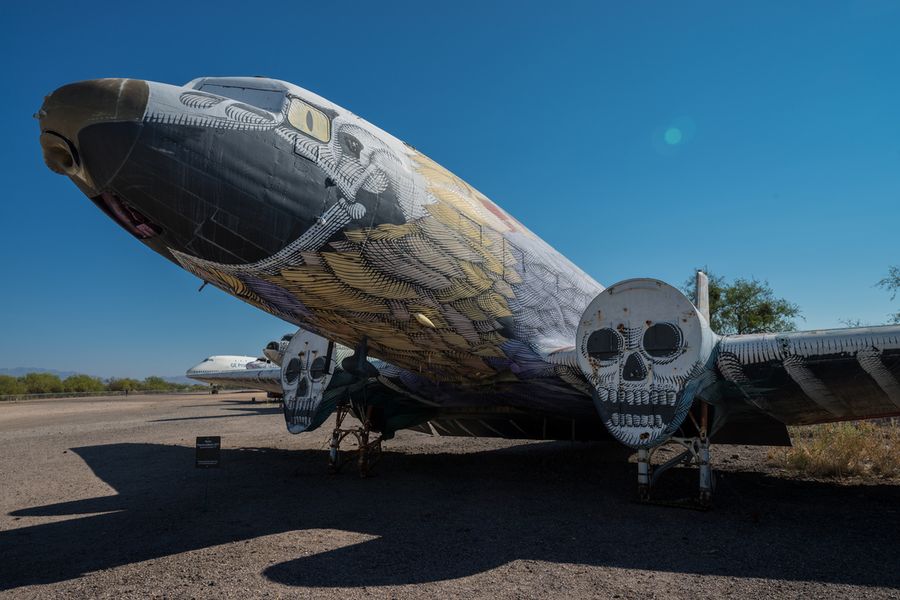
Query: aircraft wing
{"type": "Point", "coordinates": [815, 376]}
{"type": "Point", "coordinates": [266, 379]}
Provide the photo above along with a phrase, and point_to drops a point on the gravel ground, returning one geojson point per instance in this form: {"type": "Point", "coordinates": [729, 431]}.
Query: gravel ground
{"type": "Point", "coordinates": [100, 498]}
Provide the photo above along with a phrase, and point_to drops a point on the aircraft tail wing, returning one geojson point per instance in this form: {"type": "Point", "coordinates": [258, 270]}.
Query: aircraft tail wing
{"type": "Point", "coordinates": [816, 376]}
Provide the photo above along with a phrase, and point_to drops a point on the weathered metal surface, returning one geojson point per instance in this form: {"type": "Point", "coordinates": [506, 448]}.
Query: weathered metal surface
{"type": "Point", "coordinates": [816, 376]}
{"type": "Point", "coordinates": [701, 295]}
{"type": "Point", "coordinates": [645, 349]}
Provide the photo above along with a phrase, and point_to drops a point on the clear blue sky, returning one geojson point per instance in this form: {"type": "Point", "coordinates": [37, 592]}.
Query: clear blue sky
{"type": "Point", "coordinates": [638, 138]}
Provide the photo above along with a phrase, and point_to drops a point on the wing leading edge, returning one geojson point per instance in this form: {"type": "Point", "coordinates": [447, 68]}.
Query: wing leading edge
{"type": "Point", "coordinates": [816, 376]}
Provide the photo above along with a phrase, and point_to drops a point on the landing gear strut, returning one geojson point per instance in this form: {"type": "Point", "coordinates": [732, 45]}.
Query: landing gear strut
{"type": "Point", "coordinates": [696, 451]}
{"type": "Point", "coordinates": [368, 443]}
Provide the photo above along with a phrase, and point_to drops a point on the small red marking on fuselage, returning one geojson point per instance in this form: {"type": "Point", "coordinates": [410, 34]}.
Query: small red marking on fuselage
{"type": "Point", "coordinates": [501, 214]}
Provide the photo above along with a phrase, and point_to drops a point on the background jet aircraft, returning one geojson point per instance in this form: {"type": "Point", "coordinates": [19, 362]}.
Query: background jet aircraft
{"type": "Point", "coordinates": [306, 211]}
{"type": "Point", "coordinates": [239, 371]}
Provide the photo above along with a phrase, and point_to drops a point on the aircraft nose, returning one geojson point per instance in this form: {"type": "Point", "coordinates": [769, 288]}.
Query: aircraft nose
{"type": "Point", "coordinates": [88, 128]}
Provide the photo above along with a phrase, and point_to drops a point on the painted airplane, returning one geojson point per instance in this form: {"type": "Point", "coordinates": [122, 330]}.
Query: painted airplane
{"type": "Point", "coordinates": [239, 371]}
{"type": "Point", "coordinates": [445, 313]}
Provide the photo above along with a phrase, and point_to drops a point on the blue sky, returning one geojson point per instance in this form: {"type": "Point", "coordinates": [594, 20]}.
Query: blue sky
{"type": "Point", "coordinates": [639, 139]}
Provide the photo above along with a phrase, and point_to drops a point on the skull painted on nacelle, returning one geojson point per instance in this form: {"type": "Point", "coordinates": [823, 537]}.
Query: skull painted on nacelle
{"type": "Point", "coordinates": [644, 349]}
{"type": "Point", "coordinates": [306, 370]}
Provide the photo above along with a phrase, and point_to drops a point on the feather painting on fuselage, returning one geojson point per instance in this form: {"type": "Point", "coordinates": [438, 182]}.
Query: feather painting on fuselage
{"type": "Point", "coordinates": [442, 310]}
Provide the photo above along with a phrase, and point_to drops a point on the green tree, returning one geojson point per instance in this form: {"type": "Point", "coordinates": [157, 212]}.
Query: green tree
{"type": "Point", "coordinates": [746, 306]}
{"type": "Point", "coordinates": [42, 383]}
{"type": "Point", "coordinates": [83, 383]}
{"type": "Point", "coordinates": [892, 284]}
{"type": "Point", "coordinates": [124, 384]}
{"type": "Point", "coordinates": [854, 323]}
{"type": "Point", "coordinates": [155, 383]}
{"type": "Point", "coordinates": [11, 385]}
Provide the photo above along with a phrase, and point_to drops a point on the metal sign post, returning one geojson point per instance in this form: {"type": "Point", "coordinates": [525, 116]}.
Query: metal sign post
{"type": "Point", "coordinates": [209, 448]}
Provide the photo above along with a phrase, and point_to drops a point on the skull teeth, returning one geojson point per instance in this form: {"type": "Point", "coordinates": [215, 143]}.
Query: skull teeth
{"type": "Point", "coordinates": [629, 420]}
{"type": "Point", "coordinates": [624, 406]}
{"type": "Point", "coordinates": [634, 397]}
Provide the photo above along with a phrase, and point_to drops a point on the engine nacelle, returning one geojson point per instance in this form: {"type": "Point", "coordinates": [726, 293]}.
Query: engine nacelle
{"type": "Point", "coordinates": [307, 366]}
{"type": "Point", "coordinates": [645, 349]}
{"type": "Point", "coordinates": [275, 349]}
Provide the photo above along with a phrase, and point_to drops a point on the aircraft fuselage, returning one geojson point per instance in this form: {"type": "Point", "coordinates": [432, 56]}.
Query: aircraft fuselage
{"type": "Point", "coordinates": [301, 208]}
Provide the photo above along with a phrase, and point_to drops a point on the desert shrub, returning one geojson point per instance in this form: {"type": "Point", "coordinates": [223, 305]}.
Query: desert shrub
{"type": "Point", "coordinates": [851, 449]}
{"type": "Point", "coordinates": [42, 383]}
{"type": "Point", "coordinates": [83, 383]}
{"type": "Point", "coordinates": [120, 385]}
{"type": "Point", "coordinates": [155, 383]}
{"type": "Point", "coordinates": [11, 385]}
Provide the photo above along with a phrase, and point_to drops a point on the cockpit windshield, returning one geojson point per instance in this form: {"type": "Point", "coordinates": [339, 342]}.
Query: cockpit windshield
{"type": "Point", "coordinates": [270, 100]}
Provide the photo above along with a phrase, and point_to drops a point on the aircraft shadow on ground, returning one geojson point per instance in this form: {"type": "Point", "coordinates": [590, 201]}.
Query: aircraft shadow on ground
{"type": "Point", "coordinates": [234, 408]}
{"type": "Point", "coordinates": [445, 516]}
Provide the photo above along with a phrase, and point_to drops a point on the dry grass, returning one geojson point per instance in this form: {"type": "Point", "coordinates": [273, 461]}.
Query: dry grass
{"type": "Point", "coordinates": [852, 449]}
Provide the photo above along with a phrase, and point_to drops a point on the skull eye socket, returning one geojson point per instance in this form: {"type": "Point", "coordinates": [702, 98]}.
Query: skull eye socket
{"type": "Point", "coordinates": [293, 371]}
{"type": "Point", "coordinates": [662, 339]}
{"type": "Point", "coordinates": [604, 344]}
{"type": "Point", "coordinates": [317, 369]}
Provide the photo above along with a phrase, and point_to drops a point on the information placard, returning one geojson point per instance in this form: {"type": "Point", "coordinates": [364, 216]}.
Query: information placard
{"type": "Point", "coordinates": [208, 450]}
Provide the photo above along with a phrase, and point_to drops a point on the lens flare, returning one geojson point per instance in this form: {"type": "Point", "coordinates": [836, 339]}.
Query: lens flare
{"type": "Point", "coordinates": [673, 136]}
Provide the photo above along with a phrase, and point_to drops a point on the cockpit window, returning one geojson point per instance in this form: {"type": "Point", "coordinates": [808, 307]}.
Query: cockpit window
{"type": "Point", "coordinates": [310, 120]}
{"type": "Point", "coordinates": [270, 100]}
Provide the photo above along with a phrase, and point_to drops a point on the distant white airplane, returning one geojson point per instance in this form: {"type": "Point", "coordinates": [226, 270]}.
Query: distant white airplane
{"type": "Point", "coordinates": [461, 321]}
{"type": "Point", "coordinates": [239, 371]}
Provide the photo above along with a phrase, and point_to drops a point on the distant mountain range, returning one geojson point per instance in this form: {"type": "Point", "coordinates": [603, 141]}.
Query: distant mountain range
{"type": "Point", "coordinates": [20, 371]}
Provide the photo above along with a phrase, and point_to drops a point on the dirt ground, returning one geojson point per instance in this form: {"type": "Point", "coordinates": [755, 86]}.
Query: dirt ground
{"type": "Point", "coordinates": [100, 498]}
